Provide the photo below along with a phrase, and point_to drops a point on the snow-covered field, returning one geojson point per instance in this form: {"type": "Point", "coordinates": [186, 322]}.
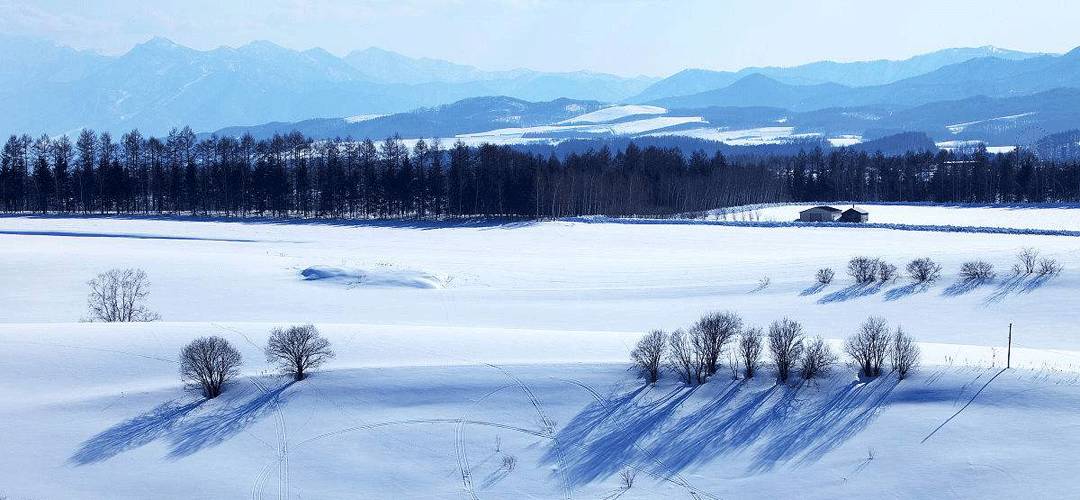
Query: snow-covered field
{"type": "Point", "coordinates": [459, 346]}
{"type": "Point", "coordinates": [638, 121]}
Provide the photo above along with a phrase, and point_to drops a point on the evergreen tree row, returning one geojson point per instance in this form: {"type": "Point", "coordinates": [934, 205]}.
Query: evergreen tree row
{"type": "Point", "coordinates": [291, 175]}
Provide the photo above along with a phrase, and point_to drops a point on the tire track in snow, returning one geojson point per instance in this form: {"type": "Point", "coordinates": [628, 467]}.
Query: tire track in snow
{"type": "Point", "coordinates": [256, 486]}
{"type": "Point", "coordinates": [460, 444]}
{"type": "Point", "coordinates": [547, 423]}
{"type": "Point", "coordinates": [283, 436]}
{"type": "Point", "coordinates": [283, 444]}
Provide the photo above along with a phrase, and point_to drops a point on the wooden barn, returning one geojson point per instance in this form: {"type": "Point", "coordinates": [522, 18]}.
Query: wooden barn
{"type": "Point", "coordinates": [855, 215]}
{"type": "Point", "coordinates": [820, 214]}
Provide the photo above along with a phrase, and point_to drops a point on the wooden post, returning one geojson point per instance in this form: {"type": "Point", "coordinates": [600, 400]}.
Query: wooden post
{"type": "Point", "coordinates": [1008, 355]}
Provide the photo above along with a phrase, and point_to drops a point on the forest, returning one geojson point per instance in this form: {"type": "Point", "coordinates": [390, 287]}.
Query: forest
{"type": "Point", "coordinates": [294, 176]}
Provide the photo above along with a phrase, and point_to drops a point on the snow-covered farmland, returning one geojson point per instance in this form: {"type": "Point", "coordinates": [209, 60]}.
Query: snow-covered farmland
{"type": "Point", "coordinates": [520, 351]}
{"type": "Point", "coordinates": [613, 113]}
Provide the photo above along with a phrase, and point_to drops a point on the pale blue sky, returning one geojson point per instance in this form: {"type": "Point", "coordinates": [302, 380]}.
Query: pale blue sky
{"type": "Point", "coordinates": [653, 37]}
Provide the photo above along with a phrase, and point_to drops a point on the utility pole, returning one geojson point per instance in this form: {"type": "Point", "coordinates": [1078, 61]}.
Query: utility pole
{"type": "Point", "coordinates": [1008, 355]}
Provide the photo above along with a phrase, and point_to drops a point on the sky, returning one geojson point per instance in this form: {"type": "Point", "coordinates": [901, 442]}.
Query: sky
{"type": "Point", "coordinates": [625, 37]}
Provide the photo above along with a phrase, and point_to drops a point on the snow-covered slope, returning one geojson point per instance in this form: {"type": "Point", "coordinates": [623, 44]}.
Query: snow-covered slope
{"type": "Point", "coordinates": [613, 113]}
{"type": "Point", "coordinates": [521, 352]}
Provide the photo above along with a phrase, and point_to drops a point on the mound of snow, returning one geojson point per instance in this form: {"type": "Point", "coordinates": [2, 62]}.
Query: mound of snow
{"type": "Point", "coordinates": [391, 278]}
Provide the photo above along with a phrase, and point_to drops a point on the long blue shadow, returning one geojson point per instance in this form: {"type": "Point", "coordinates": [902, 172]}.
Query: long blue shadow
{"type": "Point", "coordinates": [133, 433]}
{"type": "Point", "coordinates": [601, 441]}
{"type": "Point", "coordinates": [217, 427]}
{"type": "Point", "coordinates": [851, 292]}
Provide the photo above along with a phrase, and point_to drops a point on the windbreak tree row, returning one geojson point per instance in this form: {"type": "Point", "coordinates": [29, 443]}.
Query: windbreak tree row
{"type": "Point", "coordinates": [291, 175]}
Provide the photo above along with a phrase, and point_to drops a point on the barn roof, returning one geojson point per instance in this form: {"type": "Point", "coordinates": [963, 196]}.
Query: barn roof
{"type": "Point", "coordinates": [857, 210]}
{"type": "Point", "coordinates": [823, 207]}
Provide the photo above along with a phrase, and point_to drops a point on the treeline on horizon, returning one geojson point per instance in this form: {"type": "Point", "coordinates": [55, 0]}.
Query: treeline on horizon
{"type": "Point", "coordinates": [294, 176]}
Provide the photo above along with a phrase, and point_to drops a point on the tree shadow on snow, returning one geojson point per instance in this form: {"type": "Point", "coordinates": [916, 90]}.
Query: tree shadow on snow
{"type": "Point", "coordinates": [1018, 284]}
{"type": "Point", "coordinates": [777, 424]}
{"type": "Point", "coordinates": [715, 429]}
{"type": "Point", "coordinates": [906, 290]}
{"type": "Point", "coordinates": [170, 421]}
{"type": "Point", "coordinates": [604, 437]}
{"type": "Point", "coordinates": [964, 286]}
{"type": "Point", "coordinates": [133, 433]}
{"type": "Point", "coordinates": [814, 432]}
{"type": "Point", "coordinates": [851, 292]}
{"type": "Point", "coordinates": [812, 290]}
{"type": "Point", "coordinates": [216, 427]}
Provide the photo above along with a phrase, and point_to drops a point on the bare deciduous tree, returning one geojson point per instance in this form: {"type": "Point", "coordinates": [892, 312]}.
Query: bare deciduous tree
{"type": "Point", "coordinates": [627, 475]}
{"type": "Point", "coordinates": [1027, 260]}
{"type": "Point", "coordinates": [1048, 267]}
{"type": "Point", "coordinates": [863, 270]}
{"type": "Point", "coordinates": [649, 353]}
{"type": "Point", "coordinates": [905, 353]}
{"type": "Point", "coordinates": [886, 272]}
{"type": "Point", "coordinates": [976, 270]}
{"type": "Point", "coordinates": [681, 357]}
{"type": "Point", "coordinates": [119, 295]}
{"type": "Point", "coordinates": [297, 350]}
{"type": "Point", "coordinates": [711, 335]}
{"type": "Point", "coordinates": [824, 276]}
{"type": "Point", "coordinates": [750, 347]}
{"type": "Point", "coordinates": [869, 346]}
{"type": "Point", "coordinates": [817, 358]}
{"type": "Point", "coordinates": [785, 345]}
{"type": "Point", "coordinates": [923, 270]}
{"type": "Point", "coordinates": [208, 363]}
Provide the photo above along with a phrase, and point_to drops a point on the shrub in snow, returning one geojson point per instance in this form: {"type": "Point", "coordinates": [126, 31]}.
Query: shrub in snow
{"type": "Point", "coordinates": [816, 359]}
{"type": "Point", "coordinates": [869, 346]}
{"type": "Point", "coordinates": [627, 475]}
{"type": "Point", "coordinates": [297, 350]}
{"type": "Point", "coordinates": [208, 363]}
{"type": "Point", "coordinates": [750, 347]}
{"type": "Point", "coordinates": [649, 353]}
{"type": "Point", "coordinates": [1048, 267]}
{"type": "Point", "coordinates": [1027, 260]}
{"type": "Point", "coordinates": [119, 295]}
{"type": "Point", "coordinates": [904, 354]}
{"type": "Point", "coordinates": [976, 270]}
{"type": "Point", "coordinates": [785, 345]}
{"type": "Point", "coordinates": [886, 272]}
{"type": "Point", "coordinates": [681, 357]}
{"type": "Point", "coordinates": [711, 334]}
{"type": "Point", "coordinates": [824, 276]}
{"type": "Point", "coordinates": [509, 462]}
{"type": "Point", "coordinates": [923, 270]}
{"type": "Point", "coordinates": [863, 270]}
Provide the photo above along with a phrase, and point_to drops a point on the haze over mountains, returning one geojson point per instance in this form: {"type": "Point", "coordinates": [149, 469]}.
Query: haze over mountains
{"type": "Point", "coordinates": [955, 96]}
{"type": "Point", "coordinates": [159, 84]}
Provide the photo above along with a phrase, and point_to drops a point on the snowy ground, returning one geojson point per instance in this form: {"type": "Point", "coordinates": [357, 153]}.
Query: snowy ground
{"type": "Point", "coordinates": [462, 345]}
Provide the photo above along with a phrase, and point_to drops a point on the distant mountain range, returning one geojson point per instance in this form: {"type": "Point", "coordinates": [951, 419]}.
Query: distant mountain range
{"type": "Point", "coordinates": [160, 84]}
{"type": "Point", "coordinates": [955, 97]}
{"type": "Point", "coordinates": [984, 76]}
{"type": "Point", "coordinates": [852, 74]}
